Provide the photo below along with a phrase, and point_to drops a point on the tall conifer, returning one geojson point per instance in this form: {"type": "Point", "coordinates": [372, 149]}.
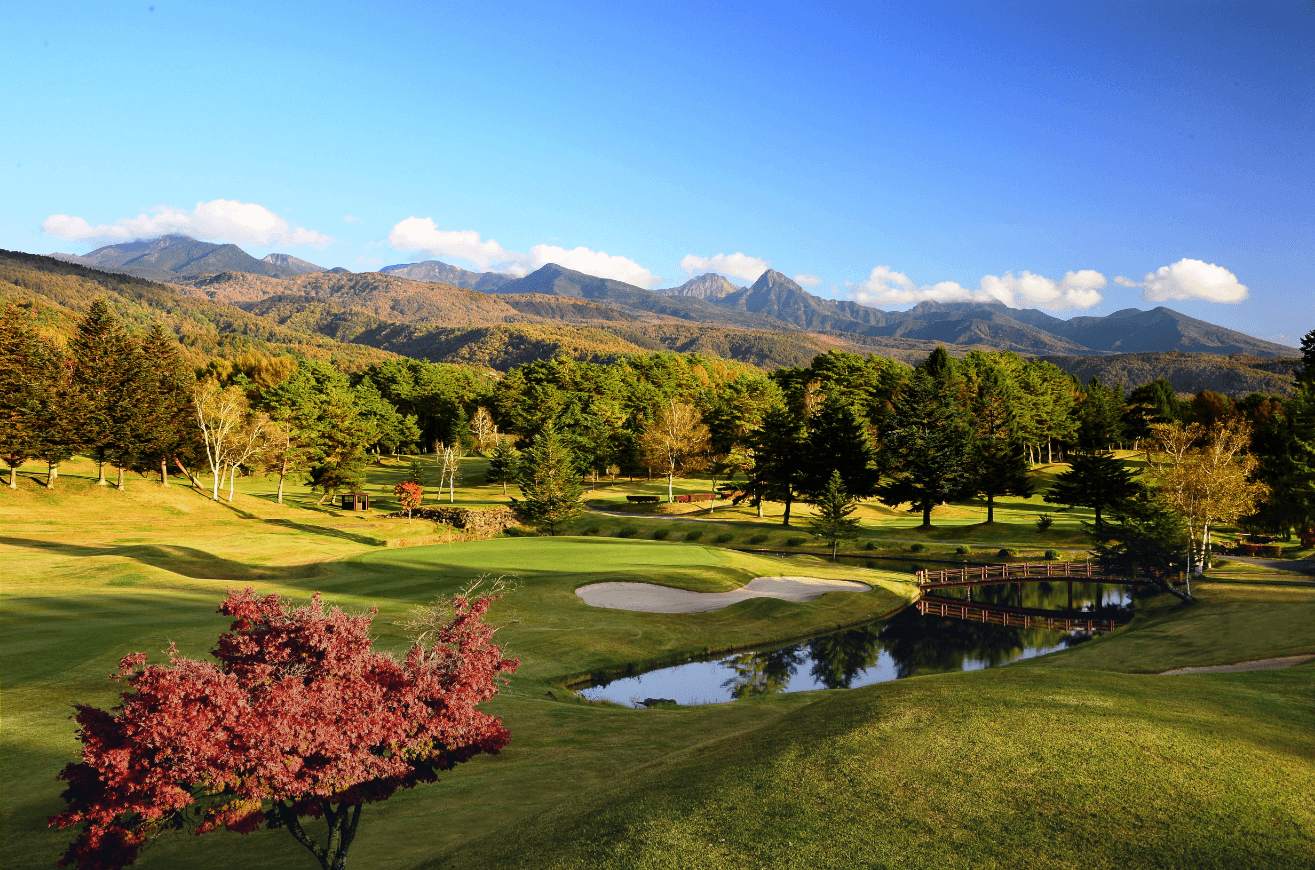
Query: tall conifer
{"type": "Point", "coordinates": [929, 444]}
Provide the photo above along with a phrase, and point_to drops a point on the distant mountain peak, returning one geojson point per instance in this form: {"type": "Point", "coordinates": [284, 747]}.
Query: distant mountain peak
{"type": "Point", "coordinates": [292, 265]}
{"type": "Point", "coordinates": [709, 285]}
{"type": "Point", "coordinates": [438, 272]}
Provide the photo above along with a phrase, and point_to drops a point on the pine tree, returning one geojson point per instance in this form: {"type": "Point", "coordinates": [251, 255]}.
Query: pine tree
{"type": "Point", "coordinates": [838, 441]}
{"type": "Point", "coordinates": [780, 454]}
{"type": "Point", "coordinates": [1001, 463]}
{"type": "Point", "coordinates": [929, 447]}
{"type": "Point", "coordinates": [831, 510]}
{"type": "Point", "coordinates": [108, 379]}
{"type": "Point", "coordinates": [24, 373]}
{"type": "Point", "coordinates": [504, 464]}
{"type": "Point", "coordinates": [549, 482]}
{"type": "Point", "coordinates": [1099, 481]}
{"type": "Point", "coordinates": [167, 417]}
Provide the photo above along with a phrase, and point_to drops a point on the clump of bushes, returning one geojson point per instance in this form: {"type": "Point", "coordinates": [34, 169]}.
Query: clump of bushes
{"type": "Point", "coordinates": [661, 534]}
{"type": "Point", "coordinates": [592, 530]}
{"type": "Point", "coordinates": [1007, 553]}
{"type": "Point", "coordinates": [627, 532]}
{"type": "Point", "coordinates": [518, 532]}
{"type": "Point", "coordinates": [795, 541]}
{"type": "Point", "coordinates": [759, 538]}
{"type": "Point", "coordinates": [723, 538]}
{"type": "Point", "coordinates": [694, 535]}
{"type": "Point", "coordinates": [962, 551]}
{"type": "Point", "coordinates": [1052, 555]}
{"type": "Point", "coordinates": [1044, 522]}
{"type": "Point", "coordinates": [870, 545]}
{"type": "Point", "coordinates": [917, 548]}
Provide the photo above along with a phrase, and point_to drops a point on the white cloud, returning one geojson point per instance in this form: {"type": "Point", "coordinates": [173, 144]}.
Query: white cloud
{"type": "Point", "coordinates": [594, 263]}
{"type": "Point", "coordinates": [1190, 279]}
{"type": "Point", "coordinates": [735, 265]}
{"type": "Point", "coordinates": [1080, 289]}
{"type": "Point", "coordinates": [807, 280]}
{"type": "Point", "coordinates": [351, 219]}
{"type": "Point", "coordinates": [242, 223]}
{"type": "Point", "coordinates": [423, 235]}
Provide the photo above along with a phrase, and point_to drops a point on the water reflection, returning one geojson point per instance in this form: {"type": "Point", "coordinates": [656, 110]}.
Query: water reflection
{"type": "Point", "coordinates": [901, 646]}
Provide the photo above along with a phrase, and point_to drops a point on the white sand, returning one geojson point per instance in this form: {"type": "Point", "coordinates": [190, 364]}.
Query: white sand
{"type": "Point", "coordinates": [650, 598]}
{"type": "Point", "coordinates": [1255, 665]}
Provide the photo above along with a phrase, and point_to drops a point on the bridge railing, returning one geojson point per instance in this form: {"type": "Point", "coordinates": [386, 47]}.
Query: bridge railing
{"type": "Point", "coordinates": [1008, 616]}
{"type": "Point", "coordinates": [1007, 572]}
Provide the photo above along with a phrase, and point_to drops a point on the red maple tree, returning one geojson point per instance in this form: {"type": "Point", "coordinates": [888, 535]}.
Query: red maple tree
{"type": "Point", "coordinates": [409, 493]}
{"type": "Point", "coordinates": [299, 718]}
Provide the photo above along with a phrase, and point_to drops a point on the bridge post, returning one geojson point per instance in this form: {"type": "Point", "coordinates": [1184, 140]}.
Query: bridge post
{"type": "Point", "coordinates": [1070, 595]}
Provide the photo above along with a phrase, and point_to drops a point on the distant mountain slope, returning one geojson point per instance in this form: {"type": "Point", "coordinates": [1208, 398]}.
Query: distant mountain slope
{"type": "Point", "coordinates": [1234, 375]}
{"type": "Point", "coordinates": [173, 256]}
{"type": "Point", "coordinates": [556, 280]}
{"type": "Point", "coordinates": [60, 292]}
{"type": "Point", "coordinates": [444, 273]}
{"type": "Point", "coordinates": [709, 286]}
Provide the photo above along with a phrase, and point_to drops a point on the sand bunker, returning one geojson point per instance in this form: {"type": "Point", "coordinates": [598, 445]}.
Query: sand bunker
{"type": "Point", "coordinates": [650, 598]}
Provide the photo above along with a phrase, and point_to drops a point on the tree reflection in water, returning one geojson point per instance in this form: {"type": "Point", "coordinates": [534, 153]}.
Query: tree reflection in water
{"type": "Point", "coordinates": [900, 646]}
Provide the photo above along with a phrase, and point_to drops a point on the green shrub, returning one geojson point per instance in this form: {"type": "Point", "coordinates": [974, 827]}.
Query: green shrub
{"type": "Point", "coordinates": [592, 530]}
{"type": "Point", "coordinates": [962, 551]}
{"type": "Point", "coordinates": [627, 532]}
{"type": "Point", "coordinates": [917, 548]}
{"type": "Point", "coordinates": [1044, 522]}
{"type": "Point", "coordinates": [759, 538]}
{"type": "Point", "coordinates": [661, 534]}
{"type": "Point", "coordinates": [795, 541]}
{"type": "Point", "coordinates": [694, 535]}
{"type": "Point", "coordinates": [518, 532]}
{"type": "Point", "coordinates": [870, 545]}
{"type": "Point", "coordinates": [723, 538]}
{"type": "Point", "coordinates": [1052, 555]}
{"type": "Point", "coordinates": [1007, 553]}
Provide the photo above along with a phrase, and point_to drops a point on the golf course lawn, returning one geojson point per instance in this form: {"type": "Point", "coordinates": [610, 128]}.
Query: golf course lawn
{"type": "Point", "coordinates": [1083, 758]}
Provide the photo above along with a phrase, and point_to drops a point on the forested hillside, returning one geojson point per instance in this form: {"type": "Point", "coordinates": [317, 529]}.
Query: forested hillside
{"type": "Point", "coordinates": [1189, 373]}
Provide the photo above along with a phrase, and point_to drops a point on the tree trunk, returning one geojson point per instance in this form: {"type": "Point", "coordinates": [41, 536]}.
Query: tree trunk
{"type": "Point", "coordinates": [785, 520]}
{"type": "Point", "coordinates": [119, 483]}
{"type": "Point", "coordinates": [13, 477]}
{"type": "Point", "coordinates": [215, 472]}
{"type": "Point", "coordinates": [1050, 452]}
{"type": "Point", "coordinates": [232, 473]}
{"type": "Point", "coordinates": [671, 478]}
{"type": "Point", "coordinates": [926, 515]}
{"type": "Point", "coordinates": [283, 473]}
{"type": "Point", "coordinates": [100, 467]}
{"type": "Point", "coordinates": [164, 471]}
{"type": "Point", "coordinates": [990, 509]}
{"type": "Point", "coordinates": [504, 487]}
{"type": "Point", "coordinates": [52, 474]}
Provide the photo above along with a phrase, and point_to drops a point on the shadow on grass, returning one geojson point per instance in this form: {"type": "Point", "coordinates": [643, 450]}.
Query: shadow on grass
{"type": "Point", "coordinates": [187, 561]}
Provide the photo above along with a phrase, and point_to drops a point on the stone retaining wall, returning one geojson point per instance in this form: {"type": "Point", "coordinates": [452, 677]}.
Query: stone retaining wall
{"type": "Point", "coordinates": [474, 522]}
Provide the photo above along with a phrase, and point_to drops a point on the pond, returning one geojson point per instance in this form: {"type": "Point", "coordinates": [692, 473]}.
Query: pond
{"type": "Point", "coordinates": [902, 646]}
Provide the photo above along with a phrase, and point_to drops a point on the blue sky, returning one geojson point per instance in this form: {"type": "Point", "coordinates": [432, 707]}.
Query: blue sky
{"type": "Point", "coordinates": [1032, 153]}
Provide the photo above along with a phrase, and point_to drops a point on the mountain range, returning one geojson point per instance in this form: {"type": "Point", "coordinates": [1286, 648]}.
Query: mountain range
{"type": "Point", "coordinates": [434, 294]}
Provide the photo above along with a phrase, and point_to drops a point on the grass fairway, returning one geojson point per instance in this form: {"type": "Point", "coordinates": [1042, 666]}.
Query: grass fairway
{"type": "Point", "coordinates": [1080, 759]}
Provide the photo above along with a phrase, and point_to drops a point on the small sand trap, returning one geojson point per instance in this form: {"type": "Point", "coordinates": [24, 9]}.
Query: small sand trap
{"type": "Point", "coordinates": [650, 598]}
{"type": "Point", "coordinates": [1256, 665]}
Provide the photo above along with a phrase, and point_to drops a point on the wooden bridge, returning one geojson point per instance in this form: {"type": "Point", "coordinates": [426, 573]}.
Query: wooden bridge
{"type": "Point", "coordinates": [996, 614]}
{"type": "Point", "coordinates": [1036, 572]}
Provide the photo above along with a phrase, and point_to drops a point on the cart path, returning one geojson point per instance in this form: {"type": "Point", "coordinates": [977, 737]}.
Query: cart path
{"type": "Point", "coordinates": [1254, 665]}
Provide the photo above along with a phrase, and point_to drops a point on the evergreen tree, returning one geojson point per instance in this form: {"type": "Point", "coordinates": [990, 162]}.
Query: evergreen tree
{"type": "Point", "coordinates": [1099, 481]}
{"type": "Point", "coordinates": [110, 383]}
{"type": "Point", "coordinates": [838, 442]}
{"type": "Point", "coordinates": [831, 510]}
{"type": "Point", "coordinates": [1146, 538]}
{"type": "Point", "coordinates": [548, 481]}
{"type": "Point", "coordinates": [1100, 416]}
{"type": "Point", "coordinates": [1001, 464]}
{"type": "Point", "coordinates": [780, 454]}
{"type": "Point", "coordinates": [504, 464]}
{"type": "Point", "coordinates": [929, 446]}
{"type": "Point", "coordinates": [166, 414]}
{"type": "Point", "coordinates": [24, 373]}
